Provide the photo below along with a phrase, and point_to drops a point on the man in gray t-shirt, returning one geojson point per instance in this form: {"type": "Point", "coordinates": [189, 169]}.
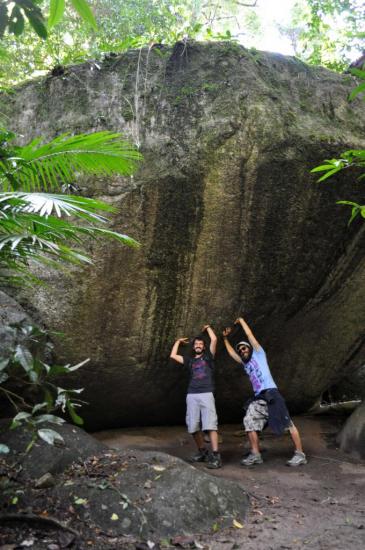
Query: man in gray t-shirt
{"type": "Point", "coordinates": [268, 406]}
{"type": "Point", "coordinates": [200, 405]}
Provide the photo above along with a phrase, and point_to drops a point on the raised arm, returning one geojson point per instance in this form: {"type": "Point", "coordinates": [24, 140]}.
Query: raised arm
{"type": "Point", "coordinates": [229, 348]}
{"type": "Point", "coordinates": [213, 338]}
{"type": "Point", "coordinates": [254, 343]}
{"type": "Point", "coordinates": [175, 348]}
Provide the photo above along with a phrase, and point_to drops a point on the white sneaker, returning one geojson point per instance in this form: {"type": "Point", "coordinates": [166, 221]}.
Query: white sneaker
{"type": "Point", "coordinates": [251, 459]}
{"type": "Point", "coordinates": [297, 459]}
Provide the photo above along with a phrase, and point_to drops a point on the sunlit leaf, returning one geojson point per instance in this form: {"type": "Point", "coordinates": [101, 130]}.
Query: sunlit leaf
{"type": "Point", "coordinates": [23, 357]}
{"type": "Point", "coordinates": [50, 436]}
{"type": "Point", "coordinates": [329, 174]}
{"type": "Point", "coordinates": [56, 10]}
{"type": "Point", "coordinates": [85, 12]}
{"type": "Point", "coordinates": [80, 501]}
{"type": "Point", "coordinates": [356, 91]}
{"type": "Point", "coordinates": [51, 418]}
{"type": "Point", "coordinates": [237, 524]}
{"type": "Point", "coordinates": [74, 416]}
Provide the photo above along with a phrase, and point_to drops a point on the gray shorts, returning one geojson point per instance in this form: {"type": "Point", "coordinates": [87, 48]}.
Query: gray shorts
{"type": "Point", "coordinates": [200, 412]}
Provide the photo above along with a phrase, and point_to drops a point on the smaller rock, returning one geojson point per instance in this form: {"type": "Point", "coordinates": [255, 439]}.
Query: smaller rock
{"type": "Point", "coordinates": [45, 481]}
{"type": "Point", "coordinates": [66, 539]}
{"type": "Point", "coordinates": [53, 547]}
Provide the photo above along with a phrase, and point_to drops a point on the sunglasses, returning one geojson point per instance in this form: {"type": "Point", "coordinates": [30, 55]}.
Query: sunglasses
{"type": "Point", "coordinates": [242, 348]}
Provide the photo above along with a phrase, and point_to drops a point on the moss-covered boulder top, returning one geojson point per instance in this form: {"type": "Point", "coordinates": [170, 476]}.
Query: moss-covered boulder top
{"type": "Point", "coordinates": [229, 218]}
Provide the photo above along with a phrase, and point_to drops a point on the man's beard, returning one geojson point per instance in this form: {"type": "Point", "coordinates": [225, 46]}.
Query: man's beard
{"type": "Point", "coordinates": [247, 359]}
{"type": "Point", "coordinates": [198, 352]}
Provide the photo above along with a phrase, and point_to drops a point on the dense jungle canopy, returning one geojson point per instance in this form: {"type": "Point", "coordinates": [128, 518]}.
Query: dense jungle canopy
{"type": "Point", "coordinates": [327, 33]}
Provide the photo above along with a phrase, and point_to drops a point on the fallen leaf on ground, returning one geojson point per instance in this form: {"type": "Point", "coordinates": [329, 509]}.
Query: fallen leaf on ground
{"type": "Point", "coordinates": [237, 524]}
{"type": "Point", "coordinates": [80, 500]}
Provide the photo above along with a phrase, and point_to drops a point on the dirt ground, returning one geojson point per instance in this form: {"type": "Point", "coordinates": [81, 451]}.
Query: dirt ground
{"type": "Point", "coordinates": [317, 506]}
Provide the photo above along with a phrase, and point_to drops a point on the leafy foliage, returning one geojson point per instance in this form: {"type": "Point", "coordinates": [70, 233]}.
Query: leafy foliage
{"type": "Point", "coordinates": [321, 32]}
{"type": "Point", "coordinates": [14, 14]}
{"type": "Point", "coordinates": [28, 382]}
{"type": "Point", "coordinates": [32, 224]}
{"type": "Point", "coordinates": [122, 24]}
{"type": "Point", "coordinates": [325, 32]}
{"type": "Point", "coordinates": [354, 158]}
{"type": "Point", "coordinates": [41, 165]}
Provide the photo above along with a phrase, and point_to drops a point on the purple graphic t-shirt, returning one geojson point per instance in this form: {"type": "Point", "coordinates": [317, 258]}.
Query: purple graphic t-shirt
{"type": "Point", "coordinates": [258, 371]}
{"type": "Point", "coordinates": [201, 373]}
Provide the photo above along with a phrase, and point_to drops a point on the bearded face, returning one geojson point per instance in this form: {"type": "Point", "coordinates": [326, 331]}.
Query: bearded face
{"type": "Point", "coordinates": [198, 347]}
{"type": "Point", "coordinates": [245, 352]}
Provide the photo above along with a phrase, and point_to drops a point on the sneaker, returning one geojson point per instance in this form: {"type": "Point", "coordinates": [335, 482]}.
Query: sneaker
{"type": "Point", "coordinates": [297, 459]}
{"type": "Point", "coordinates": [251, 459]}
{"type": "Point", "coordinates": [214, 461]}
{"type": "Point", "coordinates": [200, 456]}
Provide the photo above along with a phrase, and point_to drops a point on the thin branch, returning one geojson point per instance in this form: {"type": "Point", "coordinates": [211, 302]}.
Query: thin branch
{"type": "Point", "coordinates": [8, 393]}
{"type": "Point", "coordinates": [38, 519]}
{"type": "Point", "coordinates": [243, 4]}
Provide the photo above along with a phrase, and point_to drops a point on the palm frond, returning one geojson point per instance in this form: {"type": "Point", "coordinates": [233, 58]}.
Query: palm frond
{"type": "Point", "coordinates": [46, 204]}
{"type": "Point", "coordinates": [33, 227]}
{"type": "Point", "coordinates": [43, 166]}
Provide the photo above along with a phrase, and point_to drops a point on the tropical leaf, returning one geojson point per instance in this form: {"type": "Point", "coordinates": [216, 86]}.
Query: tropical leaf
{"type": "Point", "coordinates": [56, 10]}
{"type": "Point", "coordinates": [85, 12]}
{"type": "Point", "coordinates": [50, 436]}
{"type": "Point", "coordinates": [49, 228]}
{"type": "Point", "coordinates": [39, 166]}
{"type": "Point", "coordinates": [31, 228]}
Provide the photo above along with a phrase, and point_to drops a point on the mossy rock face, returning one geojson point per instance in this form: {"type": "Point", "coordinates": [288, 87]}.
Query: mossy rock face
{"type": "Point", "coordinates": [230, 221]}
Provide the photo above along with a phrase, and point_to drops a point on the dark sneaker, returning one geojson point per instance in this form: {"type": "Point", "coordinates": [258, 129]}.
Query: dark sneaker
{"type": "Point", "coordinates": [214, 461]}
{"type": "Point", "coordinates": [200, 456]}
{"type": "Point", "coordinates": [297, 459]}
{"type": "Point", "coordinates": [251, 459]}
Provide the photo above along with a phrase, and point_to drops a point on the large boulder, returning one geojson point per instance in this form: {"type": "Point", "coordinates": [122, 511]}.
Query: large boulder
{"type": "Point", "coordinates": [352, 436]}
{"type": "Point", "coordinates": [147, 494]}
{"type": "Point", "coordinates": [155, 494]}
{"type": "Point", "coordinates": [228, 216]}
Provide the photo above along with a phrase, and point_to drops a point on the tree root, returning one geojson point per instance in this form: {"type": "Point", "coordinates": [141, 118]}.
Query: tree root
{"type": "Point", "coordinates": [34, 518]}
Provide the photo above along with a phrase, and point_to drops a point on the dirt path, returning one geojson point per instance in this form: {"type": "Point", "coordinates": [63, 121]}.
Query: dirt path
{"type": "Point", "coordinates": [318, 506]}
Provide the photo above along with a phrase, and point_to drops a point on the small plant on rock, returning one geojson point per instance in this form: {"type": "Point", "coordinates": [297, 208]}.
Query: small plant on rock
{"type": "Point", "coordinates": [30, 384]}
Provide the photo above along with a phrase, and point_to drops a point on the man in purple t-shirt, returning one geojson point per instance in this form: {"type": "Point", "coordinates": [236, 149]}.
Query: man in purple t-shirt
{"type": "Point", "coordinates": [201, 414]}
{"type": "Point", "coordinates": [268, 406]}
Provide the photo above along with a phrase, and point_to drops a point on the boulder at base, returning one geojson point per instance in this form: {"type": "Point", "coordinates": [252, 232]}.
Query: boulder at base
{"type": "Point", "coordinates": [44, 458]}
{"type": "Point", "coordinates": [152, 494]}
{"type": "Point", "coordinates": [352, 436]}
{"type": "Point", "coordinates": [133, 493]}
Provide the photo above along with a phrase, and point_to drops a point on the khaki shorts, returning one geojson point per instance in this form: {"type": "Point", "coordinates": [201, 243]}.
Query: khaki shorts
{"type": "Point", "coordinates": [256, 416]}
{"type": "Point", "coordinates": [200, 412]}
